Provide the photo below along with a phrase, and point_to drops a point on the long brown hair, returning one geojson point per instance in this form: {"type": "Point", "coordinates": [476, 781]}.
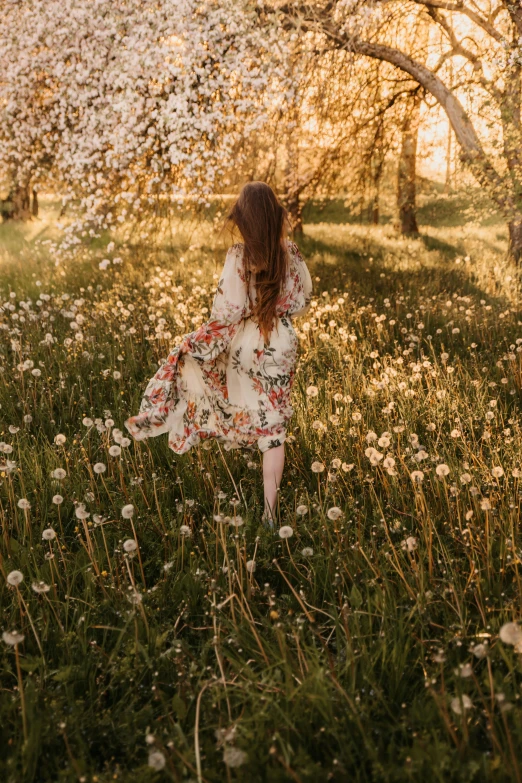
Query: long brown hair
{"type": "Point", "coordinates": [262, 222]}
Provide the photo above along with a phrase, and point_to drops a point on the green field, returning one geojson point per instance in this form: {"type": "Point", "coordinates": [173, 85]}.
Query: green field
{"type": "Point", "coordinates": [365, 647]}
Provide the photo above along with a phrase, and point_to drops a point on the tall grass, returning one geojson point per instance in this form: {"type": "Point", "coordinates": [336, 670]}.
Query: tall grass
{"type": "Point", "coordinates": [167, 634]}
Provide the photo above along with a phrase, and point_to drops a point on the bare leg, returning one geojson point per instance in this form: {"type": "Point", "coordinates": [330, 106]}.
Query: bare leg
{"type": "Point", "coordinates": [273, 464]}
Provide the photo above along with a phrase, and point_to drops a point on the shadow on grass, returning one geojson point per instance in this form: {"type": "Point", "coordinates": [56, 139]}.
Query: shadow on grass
{"type": "Point", "coordinates": [352, 270]}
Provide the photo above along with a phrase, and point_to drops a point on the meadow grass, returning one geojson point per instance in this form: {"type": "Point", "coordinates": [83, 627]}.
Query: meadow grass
{"type": "Point", "coordinates": [180, 640]}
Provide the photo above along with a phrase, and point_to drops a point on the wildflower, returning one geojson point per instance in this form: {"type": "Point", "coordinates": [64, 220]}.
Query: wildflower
{"type": "Point", "coordinates": [442, 470]}
{"type": "Point", "coordinates": [485, 504]}
{"type": "Point", "coordinates": [99, 467]}
{"type": "Point", "coordinates": [312, 391]}
{"type": "Point", "coordinates": [251, 566]}
{"type": "Point", "coordinates": [286, 531]}
{"type": "Point", "coordinates": [157, 760]}
{"type": "Point", "coordinates": [334, 513]}
{"type": "Point", "coordinates": [417, 476]}
{"type": "Point", "coordinates": [510, 633]}
{"type": "Point", "coordinates": [80, 511]}
{"type": "Point", "coordinates": [236, 521]}
{"type": "Point", "coordinates": [185, 530]}
{"type": "Point", "coordinates": [48, 534]}
{"type": "Point", "coordinates": [87, 422]}
{"type": "Point", "coordinates": [130, 545]}
{"type": "Point", "coordinates": [12, 638]}
{"type": "Point", "coordinates": [516, 473]}
{"type": "Point", "coordinates": [15, 578]}
{"type": "Point", "coordinates": [383, 441]}
{"type": "Point", "coordinates": [469, 514]}
{"type": "Point", "coordinates": [234, 757]}
{"type": "Point", "coordinates": [59, 474]}
{"type": "Point", "coordinates": [409, 544]}
{"type": "Point", "coordinates": [336, 463]}
{"type": "Point", "coordinates": [479, 650]}
{"type": "Point", "coordinates": [127, 512]}
{"type": "Point", "coordinates": [455, 433]}
{"type": "Point", "coordinates": [461, 704]}
{"type": "Point", "coordinates": [497, 471]}
{"type": "Point", "coordinates": [40, 587]}
{"type": "Point", "coordinates": [307, 551]}
{"type": "Point", "coordinates": [57, 500]}
{"type": "Point", "coordinates": [115, 451]}
{"type": "Point", "coordinates": [465, 478]}
{"type": "Point", "coordinates": [60, 440]}
{"type": "Point", "coordinates": [347, 467]}
{"type": "Point", "coordinates": [24, 504]}
{"type": "Point", "coordinates": [301, 510]}
{"type": "Point", "coordinates": [317, 467]}
{"type": "Point", "coordinates": [356, 416]}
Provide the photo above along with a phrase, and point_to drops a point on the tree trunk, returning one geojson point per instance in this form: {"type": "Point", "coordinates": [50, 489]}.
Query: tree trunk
{"type": "Point", "coordinates": [373, 209]}
{"type": "Point", "coordinates": [515, 240]}
{"type": "Point", "coordinates": [295, 213]}
{"type": "Point", "coordinates": [35, 206]}
{"type": "Point", "coordinates": [17, 204]}
{"type": "Point", "coordinates": [406, 172]}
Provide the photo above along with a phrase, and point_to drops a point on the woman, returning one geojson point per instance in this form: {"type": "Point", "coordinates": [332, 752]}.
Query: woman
{"type": "Point", "coordinates": [231, 378]}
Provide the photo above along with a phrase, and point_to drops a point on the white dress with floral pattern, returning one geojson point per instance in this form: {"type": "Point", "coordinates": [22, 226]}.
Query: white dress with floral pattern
{"type": "Point", "coordinates": [223, 381]}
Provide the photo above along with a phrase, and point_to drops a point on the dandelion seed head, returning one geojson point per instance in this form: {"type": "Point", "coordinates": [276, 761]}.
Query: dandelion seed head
{"type": "Point", "coordinates": [127, 511]}
{"type": "Point", "coordinates": [234, 757]}
{"type": "Point", "coordinates": [12, 638]}
{"type": "Point", "coordinates": [286, 531]}
{"type": "Point", "coordinates": [511, 633]}
{"type": "Point", "coordinates": [48, 534]}
{"type": "Point", "coordinates": [461, 704]}
{"type": "Point", "coordinates": [334, 513]}
{"type": "Point", "coordinates": [409, 544]}
{"type": "Point", "coordinates": [15, 578]}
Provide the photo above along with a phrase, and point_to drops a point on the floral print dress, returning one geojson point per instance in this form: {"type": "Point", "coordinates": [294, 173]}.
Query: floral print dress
{"type": "Point", "coordinates": [223, 381]}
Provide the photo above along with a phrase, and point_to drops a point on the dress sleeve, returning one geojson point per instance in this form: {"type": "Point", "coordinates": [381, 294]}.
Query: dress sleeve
{"type": "Point", "coordinates": [228, 309]}
{"type": "Point", "coordinates": [305, 285]}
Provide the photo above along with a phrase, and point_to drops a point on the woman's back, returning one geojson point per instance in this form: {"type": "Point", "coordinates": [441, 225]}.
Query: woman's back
{"type": "Point", "coordinates": [293, 299]}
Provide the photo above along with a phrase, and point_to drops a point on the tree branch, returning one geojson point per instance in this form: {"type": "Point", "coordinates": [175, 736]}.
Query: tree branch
{"type": "Point", "coordinates": [472, 151]}
{"type": "Point", "coordinates": [460, 8]}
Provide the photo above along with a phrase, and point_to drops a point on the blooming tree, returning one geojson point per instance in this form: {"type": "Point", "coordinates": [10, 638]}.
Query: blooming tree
{"type": "Point", "coordinates": [125, 104]}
